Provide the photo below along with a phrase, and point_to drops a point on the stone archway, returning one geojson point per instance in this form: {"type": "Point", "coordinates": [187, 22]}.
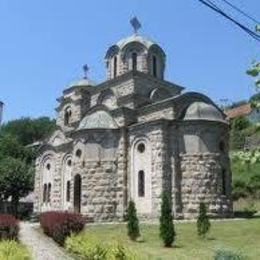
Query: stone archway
{"type": "Point", "coordinates": [77, 193]}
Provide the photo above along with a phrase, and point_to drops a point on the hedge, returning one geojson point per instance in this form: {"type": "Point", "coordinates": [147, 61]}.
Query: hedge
{"type": "Point", "coordinates": [9, 227]}
{"type": "Point", "coordinates": [59, 225]}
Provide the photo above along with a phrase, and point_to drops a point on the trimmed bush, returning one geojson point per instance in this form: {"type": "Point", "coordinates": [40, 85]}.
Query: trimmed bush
{"type": "Point", "coordinates": [59, 225]}
{"type": "Point", "coordinates": [228, 255]}
{"type": "Point", "coordinates": [89, 248]}
{"type": "Point", "coordinates": [11, 250]}
{"type": "Point", "coordinates": [167, 232]}
{"type": "Point", "coordinates": [9, 227]}
{"type": "Point", "coordinates": [203, 223]}
{"type": "Point", "coordinates": [133, 230]}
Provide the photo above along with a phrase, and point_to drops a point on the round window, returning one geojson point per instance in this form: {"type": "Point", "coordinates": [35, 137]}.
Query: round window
{"type": "Point", "coordinates": [141, 147]}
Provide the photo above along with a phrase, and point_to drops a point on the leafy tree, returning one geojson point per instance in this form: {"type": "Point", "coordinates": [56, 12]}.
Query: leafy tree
{"type": "Point", "coordinates": [27, 130]}
{"type": "Point", "coordinates": [167, 232]}
{"type": "Point", "coordinates": [10, 147]}
{"type": "Point", "coordinates": [203, 223]}
{"type": "Point", "coordinates": [16, 180]}
{"type": "Point", "coordinates": [133, 230]}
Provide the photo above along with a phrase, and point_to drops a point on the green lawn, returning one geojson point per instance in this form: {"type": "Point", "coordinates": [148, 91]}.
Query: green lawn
{"type": "Point", "coordinates": [236, 235]}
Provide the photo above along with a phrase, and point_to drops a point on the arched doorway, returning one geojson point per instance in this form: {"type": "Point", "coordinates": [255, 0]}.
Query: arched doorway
{"type": "Point", "coordinates": [77, 193]}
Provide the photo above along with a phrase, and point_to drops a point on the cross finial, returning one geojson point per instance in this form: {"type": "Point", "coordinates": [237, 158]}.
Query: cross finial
{"type": "Point", "coordinates": [85, 69]}
{"type": "Point", "coordinates": [136, 24]}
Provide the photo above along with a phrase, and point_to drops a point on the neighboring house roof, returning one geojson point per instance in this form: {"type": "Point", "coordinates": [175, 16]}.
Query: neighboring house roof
{"type": "Point", "coordinates": [242, 110]}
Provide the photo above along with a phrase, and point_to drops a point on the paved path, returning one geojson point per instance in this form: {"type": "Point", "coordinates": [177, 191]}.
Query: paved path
{"type": "Point", "coordinates": [41, 246]}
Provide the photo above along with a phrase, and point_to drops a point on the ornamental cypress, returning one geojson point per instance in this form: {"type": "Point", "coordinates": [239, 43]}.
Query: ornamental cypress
{"type": "Point", "coordinates": [133, 222]}
{"type": "Point", "coordinates": [167, 232]}
{"type": "Point", "coordinates": [203, 223]}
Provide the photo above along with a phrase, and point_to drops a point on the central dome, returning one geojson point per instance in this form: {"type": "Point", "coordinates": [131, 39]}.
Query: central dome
{"type": "Point", "coordinates": [135, 38]}
{"type": "Point", "coordinates": [135, 53]}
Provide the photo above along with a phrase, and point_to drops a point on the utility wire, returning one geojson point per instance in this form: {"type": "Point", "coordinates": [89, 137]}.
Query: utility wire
{"type": "Point", "coordinates": [241, 11]}
{"type": "Point", "coordinates": [214, 7]}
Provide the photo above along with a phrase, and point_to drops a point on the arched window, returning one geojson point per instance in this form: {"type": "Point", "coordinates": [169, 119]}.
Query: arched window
{"type": "Point", "coordinates": [44, 193]}
{"type": "Point", "coordinates": [115, 66]}
{"type": "Point", "coordinates": [134, 61]}
{"type": "Point", "coordinates": [222, 146]}
{"type": "Point", "coordinates": [67, 116]}
{"type": "Point", "coordinates": [223, 177]}
{"type": "Point", "coordinates": [49, 193]}
{"type": "Point", "coordinates": [141, 184]}
{"type": "Point", "coordinates": [154, 66]}
{"type": "Point", "coordinates": [68, 191]}
{"type": "Point", "coordinates": [48, 166]}
{"type": "Point", "coordinates": [69, 162]}
{"type": "Point", "coordinates": [78, 153]}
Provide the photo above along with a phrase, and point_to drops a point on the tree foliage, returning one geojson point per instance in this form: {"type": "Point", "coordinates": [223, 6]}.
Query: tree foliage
{"type": "Point", "coordinates": [203, 223]}
{"type": "Point", "coordinates": [16, 159]}
{"type": "Point", "coordinates": [16, 180]}
{"type": "Point", "coordinates": [133, 230]}
{"type": "Point", "coordinates": [27, 130]}
{"type": "Point", "coordinates": [167, 232]}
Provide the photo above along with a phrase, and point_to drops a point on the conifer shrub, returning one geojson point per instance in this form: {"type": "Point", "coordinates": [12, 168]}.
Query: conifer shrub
{"type": "Point", "coordinates": [59, 225]}
{"type": "Point", "coordinates": [167, 232]}
{"type": "Point", "coordinates": [9, 227]}
{"type": "Point", "coordinates": [133, 230]}
{"type": "Point", "coordinates": [203, 223]}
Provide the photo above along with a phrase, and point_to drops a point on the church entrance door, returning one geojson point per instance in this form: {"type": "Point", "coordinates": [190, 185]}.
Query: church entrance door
{"type": "Point", "coordinates": [77, 193]}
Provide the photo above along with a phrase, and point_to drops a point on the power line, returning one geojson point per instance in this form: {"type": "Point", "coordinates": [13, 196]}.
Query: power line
{"type": "Point", "coordinates": [241, 11]}
{"type": "Point", "coordinates": [217, 9]}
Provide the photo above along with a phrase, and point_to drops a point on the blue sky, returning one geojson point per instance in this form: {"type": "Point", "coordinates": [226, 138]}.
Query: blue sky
{"type": "Point", "coordinates": [44, 44]}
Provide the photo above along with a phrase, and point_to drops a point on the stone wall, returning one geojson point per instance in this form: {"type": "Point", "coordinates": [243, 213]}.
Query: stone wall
{"type": "Point", "coordinates": [201, 182]}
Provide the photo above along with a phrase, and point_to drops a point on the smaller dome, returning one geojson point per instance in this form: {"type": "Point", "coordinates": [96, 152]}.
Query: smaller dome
{"type": "Point", "coordinates": [203, 111]}
{"type": "Point", "coordinates": [82, 83]}
{"type": "Point", "coordinates": [98, 120]}
{"type": "Point", "coordinates": [135, 38]}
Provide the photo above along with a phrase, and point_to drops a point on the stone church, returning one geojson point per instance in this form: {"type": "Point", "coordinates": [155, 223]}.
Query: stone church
{"type": "Point", "coordinates": [132, 137]}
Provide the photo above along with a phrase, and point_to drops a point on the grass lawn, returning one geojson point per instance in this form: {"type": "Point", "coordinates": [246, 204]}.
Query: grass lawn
{"type": "Point", "coordinates": [236, 235]}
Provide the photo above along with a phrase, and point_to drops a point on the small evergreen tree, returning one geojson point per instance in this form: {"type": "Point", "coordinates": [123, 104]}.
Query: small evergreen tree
{"type": "Point", "coordinates": [167, 232]}
{"type": "Point", "coordinates": [203, 223]}
{"type": "Point", "coordinates": [133, 222]}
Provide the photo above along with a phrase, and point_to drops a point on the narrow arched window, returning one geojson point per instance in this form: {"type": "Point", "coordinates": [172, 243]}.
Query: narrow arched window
{"type": "Point", "coordinates": [141, 184]}
{"type": "Point", "coordinates": [49, 193]}
{"type": "Point", "coordinates": [223, 177]}
{"type": "Point", "coordinates": [115, 66]}
{"type": "Point", "coordinates": [44, 193]}
{"type": "Point", "coordinates": [134, 61]}
{"type": "Point", "coordinates": [68, 191]}
{"type": "Point", "coordinates": [67, 116]}
{"type": "Point", "coordinates": [78, 153]}
{"type": "Point", "coordinates": [154, 66]}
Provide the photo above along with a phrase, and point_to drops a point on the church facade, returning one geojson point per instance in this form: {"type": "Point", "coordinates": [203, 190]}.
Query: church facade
{"type": "Point", "coordinates": [133, 137]}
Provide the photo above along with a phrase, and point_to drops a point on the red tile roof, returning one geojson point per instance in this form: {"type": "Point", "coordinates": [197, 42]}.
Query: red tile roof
{"type": "Point", "coordinates": [242, 110]}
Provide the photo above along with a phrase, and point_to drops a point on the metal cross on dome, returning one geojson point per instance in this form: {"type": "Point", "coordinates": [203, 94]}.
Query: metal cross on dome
{"type": "Point", "coordinates": [136, 24]}
{"type": "Point", "coordinates": [85, 69]}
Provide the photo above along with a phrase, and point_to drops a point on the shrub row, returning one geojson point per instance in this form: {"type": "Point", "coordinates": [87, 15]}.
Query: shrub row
{"type": "Point", "coordinates": [60, 225]}
{"type": "Point", "coordinates": [89, 248]}
{"type": "Point", "coordinates": [9, 227]}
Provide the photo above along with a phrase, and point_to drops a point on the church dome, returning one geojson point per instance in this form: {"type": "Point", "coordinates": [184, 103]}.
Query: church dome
{"type": "Point", "coordinates": [82, 83]}
{"type": "Point", "coordinates": [203, 111]}
{"type": "Point", "coordinates": [135, 52]}
{"type": "Point", "coordinates": [135, 38]}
